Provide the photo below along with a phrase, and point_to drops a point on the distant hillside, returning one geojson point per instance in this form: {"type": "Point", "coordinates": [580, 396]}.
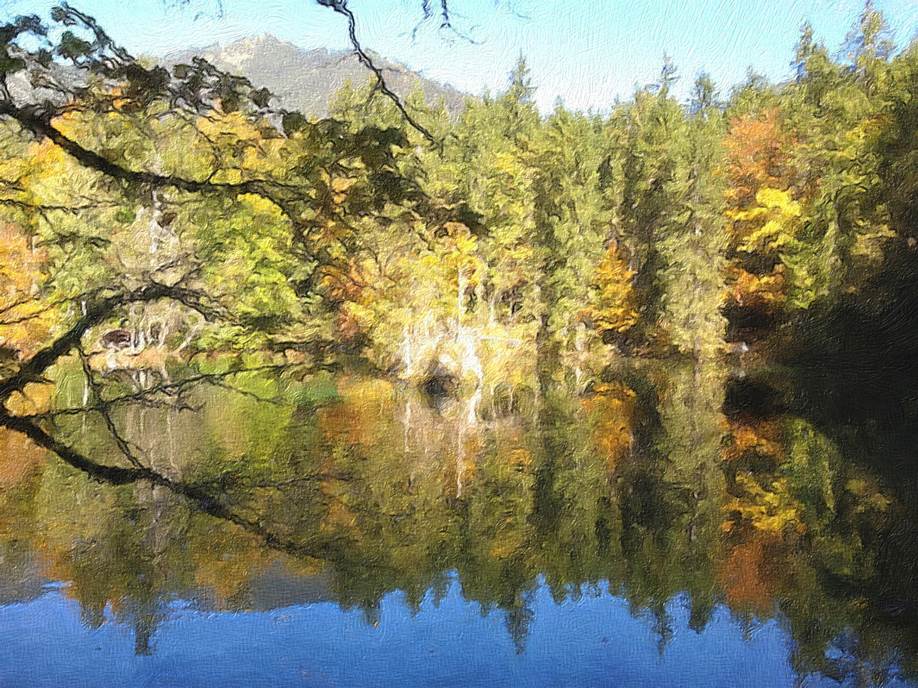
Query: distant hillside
{"type": "Point", "coordinates": [305, 80]}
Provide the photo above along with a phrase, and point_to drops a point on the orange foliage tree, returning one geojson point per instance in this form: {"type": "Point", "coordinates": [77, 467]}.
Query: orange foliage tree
{"type": "Point", "coordinates": [757, 164]}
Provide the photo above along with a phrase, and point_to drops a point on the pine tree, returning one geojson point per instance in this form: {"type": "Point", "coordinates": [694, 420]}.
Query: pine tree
{"type": "Point", "coordinates": [693, 249]}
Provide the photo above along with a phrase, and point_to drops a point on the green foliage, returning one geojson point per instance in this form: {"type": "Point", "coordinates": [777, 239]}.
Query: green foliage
{"type": "Point", "coordinates": [695, 240]}
{"type": "Point", "coordinates": [522, 247]}
{"type": "Point", "coordinates": [522, 251]}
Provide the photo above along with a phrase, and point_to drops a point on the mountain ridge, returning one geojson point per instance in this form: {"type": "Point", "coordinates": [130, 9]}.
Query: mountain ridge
{"type": "Point", "coordinates": [307, 79]}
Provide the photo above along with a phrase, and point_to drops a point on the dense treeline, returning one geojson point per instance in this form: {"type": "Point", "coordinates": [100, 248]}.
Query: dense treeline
{"type": "Point", "coordinates": [521, 248]}
{"type": "Point", "coordinates": [152, 218]}
{"type": "Point", "coordinates": [664, 227]}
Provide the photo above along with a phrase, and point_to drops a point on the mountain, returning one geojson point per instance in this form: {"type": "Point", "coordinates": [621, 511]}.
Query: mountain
{"type": "Point", "coordinates": [306, 80]}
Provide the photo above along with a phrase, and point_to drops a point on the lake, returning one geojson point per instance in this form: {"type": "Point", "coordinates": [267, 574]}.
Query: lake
{"type": "Point", "coordinates": [679, 525]}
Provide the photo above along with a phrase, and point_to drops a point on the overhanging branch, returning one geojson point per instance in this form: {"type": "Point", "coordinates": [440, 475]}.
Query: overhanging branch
{"type": "Point", "coordinates": [340, 6]}
{"type": "Point", "coordinates": [205, 501]}
{"type": "Point", "coordinates": [97, 311]}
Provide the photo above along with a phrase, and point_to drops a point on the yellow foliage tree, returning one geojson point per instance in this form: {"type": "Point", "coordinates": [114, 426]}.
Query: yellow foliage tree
{"type": "Point", "coordinates": [613, 304]}
{"type": "Point", "coordinates": [772, 221]}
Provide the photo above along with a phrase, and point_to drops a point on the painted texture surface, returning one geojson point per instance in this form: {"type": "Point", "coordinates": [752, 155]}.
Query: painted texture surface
{"type": "Point", "coordinates": [458, 343]}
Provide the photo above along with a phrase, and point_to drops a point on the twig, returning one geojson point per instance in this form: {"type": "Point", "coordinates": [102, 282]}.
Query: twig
{"type": "Point", "coordinates": [340, 6]}
{"type": "Point", "coordinates": [103, 411]}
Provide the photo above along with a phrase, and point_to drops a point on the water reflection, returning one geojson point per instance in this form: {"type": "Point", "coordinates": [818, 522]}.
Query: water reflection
{"type": "Point", "coordinates": [671, 525]}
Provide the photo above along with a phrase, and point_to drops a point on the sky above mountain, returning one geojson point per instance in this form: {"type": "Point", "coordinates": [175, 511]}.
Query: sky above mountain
{"type": "Point", "coordinates": [585, 52]}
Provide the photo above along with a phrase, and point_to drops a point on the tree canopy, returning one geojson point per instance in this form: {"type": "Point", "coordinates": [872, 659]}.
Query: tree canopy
{"type": "Point", "coordinates": [152, 219]}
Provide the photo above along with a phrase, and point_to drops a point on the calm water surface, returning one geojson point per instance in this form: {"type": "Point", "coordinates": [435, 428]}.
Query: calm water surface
{"type": "Point", "coordinates": [675, 527]}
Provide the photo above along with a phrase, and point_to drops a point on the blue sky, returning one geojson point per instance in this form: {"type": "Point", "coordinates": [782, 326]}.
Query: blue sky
{"type": "Point", "coordinates": [587, 52]}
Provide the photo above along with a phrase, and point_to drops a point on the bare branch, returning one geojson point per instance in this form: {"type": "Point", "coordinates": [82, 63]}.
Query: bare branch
{"type": "Point", "coordinates": [201, 498]}
{"type": "Point", "coordinates": [123, 446]}
{"type": "Point", "coordinates": [340, 6]}
{"type": "Point", "coordinates": [34, 368]}
{"type": "Point", "coordinates": [169, 393]}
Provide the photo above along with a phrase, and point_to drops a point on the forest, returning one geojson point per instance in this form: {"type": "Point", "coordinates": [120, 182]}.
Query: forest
{"type": "Point", "coordinates": [665, 350]}
{"type": "Point", "coordinates": [152, 218]}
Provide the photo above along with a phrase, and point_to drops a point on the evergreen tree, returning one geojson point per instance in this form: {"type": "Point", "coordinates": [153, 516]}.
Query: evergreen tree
{"type": "Point", "coordinates": [694, 244]}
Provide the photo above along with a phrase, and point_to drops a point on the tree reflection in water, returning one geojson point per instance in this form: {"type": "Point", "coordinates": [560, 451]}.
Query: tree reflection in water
{"type": "Point", "coordinates": [658, 487]}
